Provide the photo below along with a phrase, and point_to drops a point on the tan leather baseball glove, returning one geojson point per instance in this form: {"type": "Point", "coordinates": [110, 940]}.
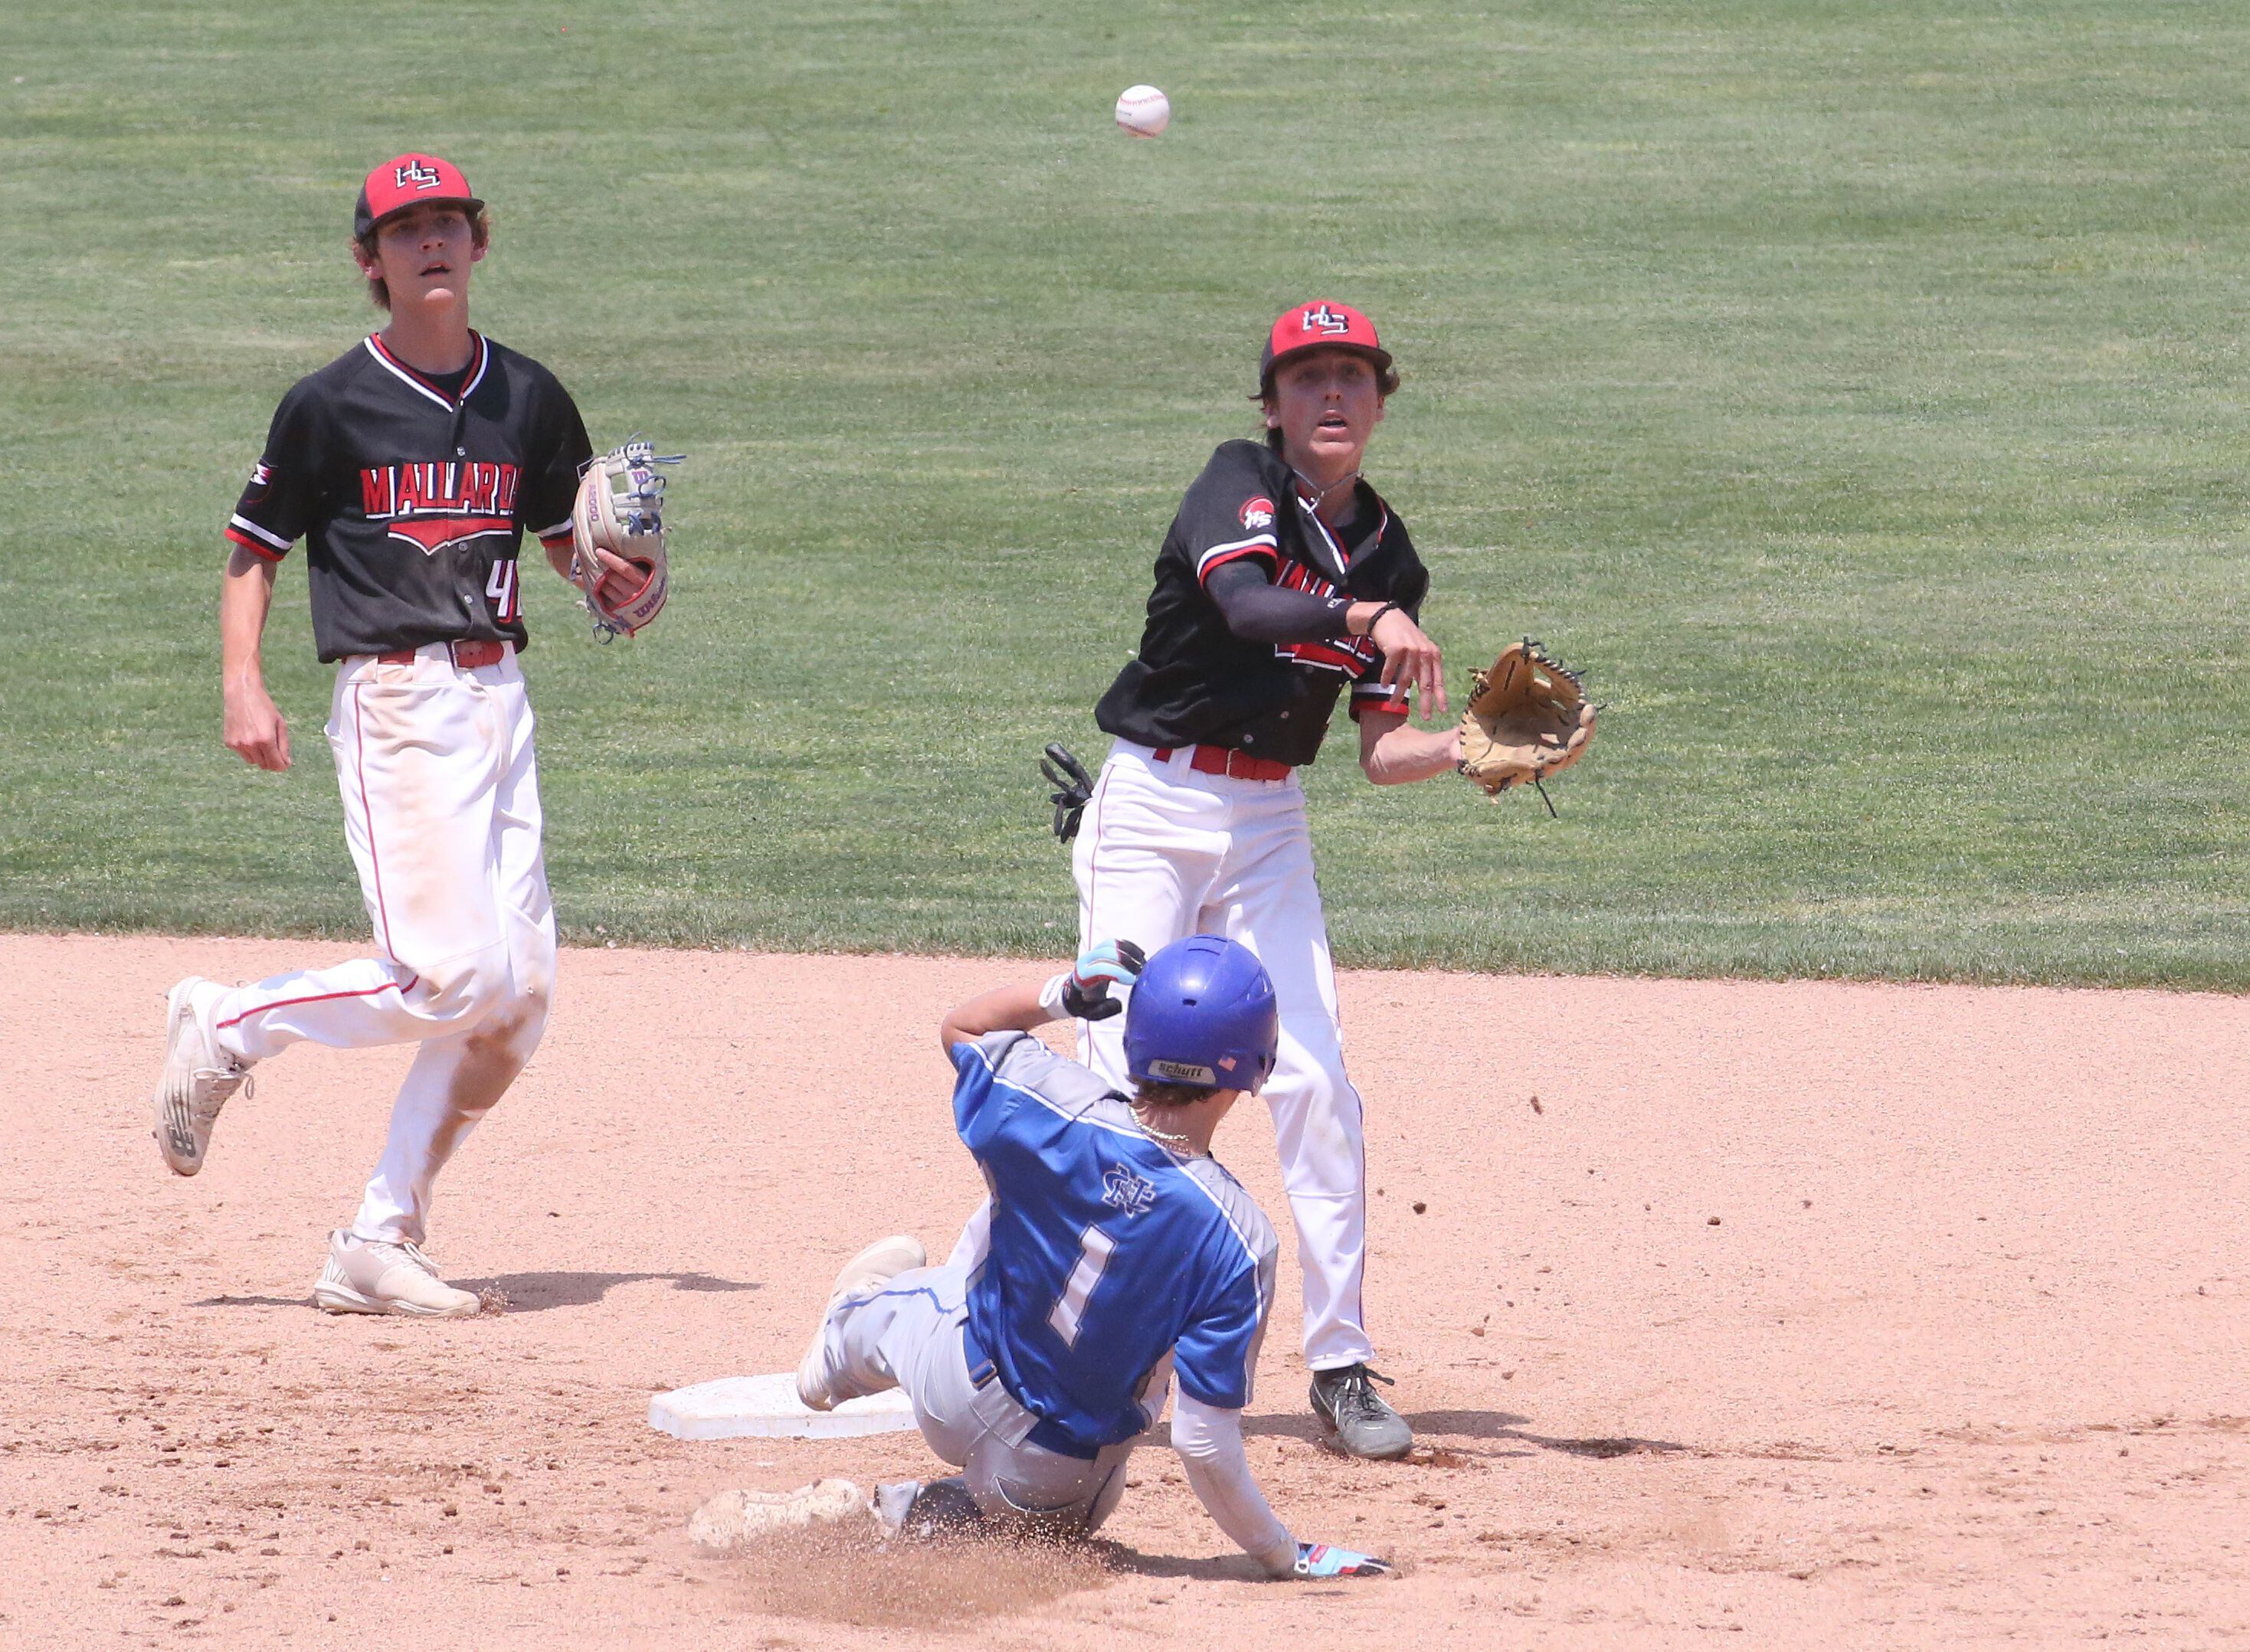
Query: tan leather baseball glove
{"type": "Point", "coordinates": [620, 508]}
{"type": "Point", "coordinates": [1528, 717]}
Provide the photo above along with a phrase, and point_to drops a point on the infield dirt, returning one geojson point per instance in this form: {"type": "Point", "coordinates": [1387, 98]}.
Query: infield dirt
{"type": "Point", "coordinates": [1824, 1315]}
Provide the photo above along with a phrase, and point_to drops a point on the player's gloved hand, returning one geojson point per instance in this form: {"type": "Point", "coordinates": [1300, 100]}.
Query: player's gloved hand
{"type": "Point", "coordinates": [1073, 789]}
{"type": "Point", "coordinates": [1085, 995]}
{"type": "Point", "coordinates": [1319, 1561]}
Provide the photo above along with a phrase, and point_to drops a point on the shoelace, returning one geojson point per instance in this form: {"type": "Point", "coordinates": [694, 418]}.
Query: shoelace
{"type": "Point", "coordinates": [225, 1082]}
{"type": "Point", "coordinates": [1354, 1384]}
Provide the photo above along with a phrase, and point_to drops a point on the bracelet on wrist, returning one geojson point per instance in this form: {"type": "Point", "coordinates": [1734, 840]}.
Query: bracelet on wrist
{"type": "Point", "coordinates": [1376, 618]}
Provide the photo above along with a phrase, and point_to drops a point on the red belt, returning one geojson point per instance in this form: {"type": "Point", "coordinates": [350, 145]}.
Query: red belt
{"type": "Point", "coordinates": [1224, 759]}
{"type": "Point", "coordinates": [467, 656]}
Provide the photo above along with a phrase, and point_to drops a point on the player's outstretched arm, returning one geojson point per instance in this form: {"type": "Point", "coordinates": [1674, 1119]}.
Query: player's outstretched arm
{"type": "Point", "coordinates": [1080, 993]}
{"type": "Point", "coordinates": [1209, 1440]}
{"type": "Point", "coordinates": [1393, 752]}
{"type": "Point", "coordinates": [254, 729]}
{"type": "Point", "coordinates": [1015, 1008]}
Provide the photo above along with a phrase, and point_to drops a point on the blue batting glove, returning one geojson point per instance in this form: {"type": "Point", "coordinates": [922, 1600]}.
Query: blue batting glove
{"type": "Point", "coordinates": [1085, 995]}
{"type": "Point", "coordinates": [1319, 1561]}
{"type": "Point", "coordinates": [1118, 960]}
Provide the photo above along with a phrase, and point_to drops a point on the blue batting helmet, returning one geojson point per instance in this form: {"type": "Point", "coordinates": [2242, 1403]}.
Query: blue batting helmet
{"type": "Point", "coordinates": [1203, 1013]}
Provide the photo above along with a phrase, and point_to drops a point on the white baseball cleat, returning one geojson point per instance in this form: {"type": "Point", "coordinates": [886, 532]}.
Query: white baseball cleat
{"type": "Point", "coordinates": [879, 1263]}
{"type": "Point", "coordinates": [198, 1077]}
{"type": "Point", "coordinates": [376, 1275]}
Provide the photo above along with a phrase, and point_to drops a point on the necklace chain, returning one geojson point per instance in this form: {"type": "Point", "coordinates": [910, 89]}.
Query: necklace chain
{"type": "Point", "coordinates": [1321, 494]}
{"type": "Point", "coordinates": [1182, 1142]}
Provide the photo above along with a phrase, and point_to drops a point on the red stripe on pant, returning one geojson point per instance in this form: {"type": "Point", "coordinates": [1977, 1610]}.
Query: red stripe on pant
{"type": "Point", "coordinates": [323, 998]}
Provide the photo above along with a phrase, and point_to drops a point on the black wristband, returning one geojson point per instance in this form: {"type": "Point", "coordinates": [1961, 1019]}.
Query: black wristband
{"type": "Point", "coordinates": [1376, 618]}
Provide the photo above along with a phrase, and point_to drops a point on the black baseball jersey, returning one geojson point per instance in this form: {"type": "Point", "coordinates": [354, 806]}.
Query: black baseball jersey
{"type": "Point", "coordinates": [1195, 682]}
{"type": "Point", "coordinates": [413, 494]}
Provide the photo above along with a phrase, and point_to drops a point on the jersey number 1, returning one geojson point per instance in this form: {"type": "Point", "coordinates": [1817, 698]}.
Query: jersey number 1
{"type": "Point", "coordinates": [1093, 1250]}
{"type": "Point", "coordinates": [502, 587]}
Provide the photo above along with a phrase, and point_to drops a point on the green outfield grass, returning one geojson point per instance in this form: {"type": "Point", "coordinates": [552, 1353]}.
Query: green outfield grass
{"type": "Point", "coordinates": [1857, 390]}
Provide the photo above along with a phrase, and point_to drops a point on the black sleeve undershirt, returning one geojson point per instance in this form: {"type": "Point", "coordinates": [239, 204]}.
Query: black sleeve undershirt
{"type": "Point", "coordinates": [1258, 610]}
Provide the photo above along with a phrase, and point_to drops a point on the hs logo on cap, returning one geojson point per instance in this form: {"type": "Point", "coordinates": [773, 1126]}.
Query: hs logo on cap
{"type": "Point", "coordinates": [415, 173]}
{"type": "Point", "coordinates": [1321, 319]}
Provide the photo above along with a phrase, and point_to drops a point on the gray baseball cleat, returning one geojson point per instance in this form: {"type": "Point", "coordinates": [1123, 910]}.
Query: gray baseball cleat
{"type": "Point", "coordinates": [879, 1263]}
{"type": "Point", "coordinates": [199, 1078]}
{"type": "Point", "coordinates": [1359, 1423]}
{"type": "Point", "coordinates": [918, 1510]}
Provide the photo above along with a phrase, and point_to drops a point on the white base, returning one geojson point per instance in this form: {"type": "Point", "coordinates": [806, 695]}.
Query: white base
{"type": "Point", "coordinates": [733, 1406]}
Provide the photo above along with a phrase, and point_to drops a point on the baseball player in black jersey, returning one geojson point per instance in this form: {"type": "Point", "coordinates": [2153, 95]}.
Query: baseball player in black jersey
{"type": "Point", "coordinates": [410, 465]}
{"type": "Point", "coordinates": [1285, 582]}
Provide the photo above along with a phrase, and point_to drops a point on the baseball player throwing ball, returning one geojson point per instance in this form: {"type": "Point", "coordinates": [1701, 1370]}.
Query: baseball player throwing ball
{"type": "Point", "coordinates": [1119, 1254]}
{"type": "Point", "coordinates": [411, 465]}
{"type": "Point", "coordinates": [1285, 582]}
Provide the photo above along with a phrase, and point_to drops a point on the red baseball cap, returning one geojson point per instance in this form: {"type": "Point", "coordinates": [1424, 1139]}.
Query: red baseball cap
{"type": "Point", "coordinates": [407, 180]}
{"type": "Point", "coordinates": [1320, 324]}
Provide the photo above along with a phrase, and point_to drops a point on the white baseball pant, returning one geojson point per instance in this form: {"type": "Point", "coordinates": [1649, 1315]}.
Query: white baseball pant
{"type": "Point", "coordinates": [907, 1334]}
{"type": "Point", "coordinates": [1167, 852]}
{"type": "Point", "coordinates": [441, 812]}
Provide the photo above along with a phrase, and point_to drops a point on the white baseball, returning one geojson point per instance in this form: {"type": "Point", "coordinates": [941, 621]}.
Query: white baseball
{"type": "Point", "coordinates": [1144, 111]}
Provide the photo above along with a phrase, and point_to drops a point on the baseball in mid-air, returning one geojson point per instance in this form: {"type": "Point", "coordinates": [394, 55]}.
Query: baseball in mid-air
{"type": "Point", "coordinates": [1144, 111]}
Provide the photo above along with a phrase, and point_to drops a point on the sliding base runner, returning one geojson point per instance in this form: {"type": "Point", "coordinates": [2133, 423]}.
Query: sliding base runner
{"type": "Point", "coordinates": [1119, 1255]}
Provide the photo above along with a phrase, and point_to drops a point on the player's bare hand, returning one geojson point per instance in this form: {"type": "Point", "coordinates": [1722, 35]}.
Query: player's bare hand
{"type": "Point", "coordinates": [255, 730]}
{"type": "Point", "coordinates": [1410, 661]}
{"type": "Point", "coordinates": [608, 565]}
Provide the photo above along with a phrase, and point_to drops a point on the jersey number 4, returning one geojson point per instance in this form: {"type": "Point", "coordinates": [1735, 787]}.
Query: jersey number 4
{"type": "Point", "coordinates": [1093, 1252]}
{"type": "Point", "coordinates": [502, 588]}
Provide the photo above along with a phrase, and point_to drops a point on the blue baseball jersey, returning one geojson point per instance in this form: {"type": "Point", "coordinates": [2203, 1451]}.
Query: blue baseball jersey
{"type": "Point", "coordinates": [1109, 1252]}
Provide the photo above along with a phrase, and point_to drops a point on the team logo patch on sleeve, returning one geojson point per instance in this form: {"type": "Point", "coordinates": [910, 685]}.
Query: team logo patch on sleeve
{"type": "Point", "coordinates": [1257, 513]}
